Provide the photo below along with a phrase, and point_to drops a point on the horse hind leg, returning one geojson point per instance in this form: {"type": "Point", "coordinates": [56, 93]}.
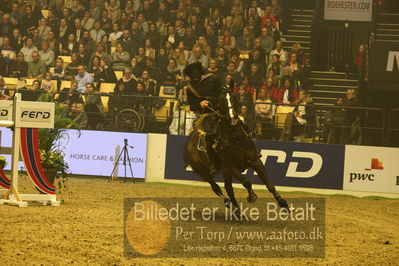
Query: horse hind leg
{"type": "Point", "coordinates": [204, 173]}
{"type": "Point", "coordinates": [260, 170]}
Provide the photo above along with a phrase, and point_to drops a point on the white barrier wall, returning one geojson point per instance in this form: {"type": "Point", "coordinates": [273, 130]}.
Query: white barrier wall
{"type": "Point", "coordinates": [156, 157]}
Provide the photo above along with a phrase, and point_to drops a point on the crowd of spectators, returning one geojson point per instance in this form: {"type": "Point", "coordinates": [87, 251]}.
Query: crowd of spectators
{"type": "Point", "coordinates": [151, 41]}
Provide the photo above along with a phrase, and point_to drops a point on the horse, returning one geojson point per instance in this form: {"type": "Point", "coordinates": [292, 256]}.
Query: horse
{"type": "Point", "coordinates": [235, 152]}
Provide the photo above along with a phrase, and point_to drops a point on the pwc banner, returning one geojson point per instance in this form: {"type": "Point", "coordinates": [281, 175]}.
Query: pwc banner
{"type": "Point", "coordinates": [373, 169]}
{"type": "Point", "coordinates": [385, 62]}
{"type": "Point", "coordinates": [287, 163]}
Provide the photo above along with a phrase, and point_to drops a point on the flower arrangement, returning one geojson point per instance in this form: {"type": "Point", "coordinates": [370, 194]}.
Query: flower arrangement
{"type": "Point", "coordinates": [3, 162]}
{"type": "Point", "coordinates": [54, 160]}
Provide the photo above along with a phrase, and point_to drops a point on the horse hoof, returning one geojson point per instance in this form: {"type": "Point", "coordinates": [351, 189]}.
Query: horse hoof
{"type": "Point", "coordinates": [252, 197]}
{"type": "Point", "coordinates": [227, 203]}
{"type": "Point", "coordinates": [283, 203]}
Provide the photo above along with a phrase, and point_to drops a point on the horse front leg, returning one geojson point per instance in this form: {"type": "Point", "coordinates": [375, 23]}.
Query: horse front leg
{"type": "Point", "coordinates": [261, 171]}
{"type": "Point", "coordinates": [228, 186]}
{"type": "Point", "coordinates": [252, 197]}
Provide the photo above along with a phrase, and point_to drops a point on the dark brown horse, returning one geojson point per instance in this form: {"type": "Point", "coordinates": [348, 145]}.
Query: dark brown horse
{"type": "Point", "coordinates": [235, 153]}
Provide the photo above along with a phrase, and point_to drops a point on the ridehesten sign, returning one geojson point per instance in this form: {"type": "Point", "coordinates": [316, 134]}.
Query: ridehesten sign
{"type": "Point", "coordinates": [348, 10]}
{"type": "Point", "coordinates": [373, 169]}
{"type": "Point", "coordinates": [287, 163]}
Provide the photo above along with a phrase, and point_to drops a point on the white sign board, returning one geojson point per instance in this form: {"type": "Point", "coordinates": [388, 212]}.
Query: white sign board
{"type": "Point", "coordinates": [348, 10]}
{"type": "Point", "coordinates": [6, 109]}
{"type": "Point", "coordinates": [373, 169]}
{"type": "Point", "coordinates": [93, 152]}
{"type": "Point", "coordinates": [35, 114]}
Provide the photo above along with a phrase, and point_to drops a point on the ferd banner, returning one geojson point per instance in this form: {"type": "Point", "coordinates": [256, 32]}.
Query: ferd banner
{"type": "Point", "coordinates": [287, 163]}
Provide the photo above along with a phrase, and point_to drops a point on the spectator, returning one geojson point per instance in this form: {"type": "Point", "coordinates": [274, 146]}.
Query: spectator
{"type": "Point", "coordinates": [221, 58]}
{"type": "Point", "coordinates": [271, 89]}
{"type": "Point", "coordinates": [105, 22]}
{"type": "Point", "coordinates": [142, 103]}
{"type": "Point", "coordinates": [28, 49]}
{"type": "Point", "coordinates": [198, 56]}
{"type": "Point", "coordinates": [149, 51]}
{"type": "Point", "coordinates": [43, 29]}
{"type": "Point", "coordinates": [114, 11]}
{"type": "Point", "coordinates": [266, 39]}
{"type": "Point", "coordinates": [29, 20]}
{"type": "Point", "coordinates": [77, 10]}
{"type": "Point", "coordinates": [276, 66]}
{"type": "Point", "coordinates": [83, 78]}
{"type": "Point", "coordinates": [47, 84]}
{"type": "Point", "coordinates": [101, 53]}
{"type": "Point", "coordinates": [214, 69]}
{"type": "Point", "coordinates": [4, 92]}
{"type": "Point", "coordinates": [171, 74]}
{"type": "Point", "coordinates": [7, 50]}
{"type": "Point", "coordinates": [130, 45]}
{"type": "Point", "coordinates": [180, 58]}
{"type": "Point", "coordinates": [264, 112]}
{"type": "Point", "coordinates": [46, 54]}
{"type": "Point", "coordinates": [255, 78]}
{"type": "Point", "coordinates": [283, 55]}
{"type": "Point", "coordinates": [63, 30]}
{"type": "Point", "coordinates": [83, 56]}
{"type": "Point", "coordinates": [17, 40]}
{"type": "Point", "coordinates": [94, 66]}
{"type": "Point", "coordinates": [137, 69]}
{"type": "Point", "coordinates": [161, 60]}
{"type": "Point", "coordinates": [115, 34]}
{"type": "Point", "coordinates": [33, 93]}
{"type": "Point", "coordinates": [255, 58]}
{"type": "Point", "coordinates": [246, 117]}
{"type": "Point", "coordinates": [245, 41]}
{"type": "Point", "coordinates": [88, 21]}
{"type": "Point", "coordinates": [97, 32]}
{"type": "Point", "coordinates": [36, 68]}
{"type": "Point", "coordinates": [120, 58]}
{"type": "Point", "coordinates": [53, 43]}
{"type": "Point", "coordinates": [95, 10]}
{"type": "Point", "coordinates": [121, 98]}
{"type": "Point", "coordinates": [87, 41]}
{"type": "Point", "coordinates": [70, 45]}
{"type": "Point", "coordinates": [105, 73]}
{"type": "Point", "coordinates": [77, 29]}
{"type": "Point", "coordinates": [301, 57]}
{"type": "Point", "coordinates": [287, 74]}
{"type": "Point", "coordinates": [37, 40]}
{"type": "Point", "coordinates": [295, 67]}
{"type": "Point", "coordinates": [287, 94]}
{"type": "Point", "coordinates": [154, 36]}
{"type": "Point", "coordinates": [93, 107]}
{"type": "Point", "coordinates": [69, 96]}
{"type": "Point", "coordinates": [243, 98]}
{"type": "Point", "coordinates": [78, 115]}
{"type": "Point", "coordinates": [150, 85]}
{"type": "Point", "coordinates": [302, 115]}
{"type": "Point", "coordinates": [18, 68]}
{"type": "Point", "coordinates": [229, 41]}
{"type": "Point", "coordinates": [130, 80]}
{"type": "Point", "coordinates": [71, 69]}
{"type": "Point", "coordinates": [107, 44]}
{"type": "Point", "coordinates": [59, 71]}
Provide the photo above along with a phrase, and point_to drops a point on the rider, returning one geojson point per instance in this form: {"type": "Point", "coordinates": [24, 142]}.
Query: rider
{"type": "Point", "coordinates": [203, 95]}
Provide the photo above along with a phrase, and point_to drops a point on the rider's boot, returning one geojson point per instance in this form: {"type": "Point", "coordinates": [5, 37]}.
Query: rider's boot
{"type": "Point", "coordinates": [210, 153]}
